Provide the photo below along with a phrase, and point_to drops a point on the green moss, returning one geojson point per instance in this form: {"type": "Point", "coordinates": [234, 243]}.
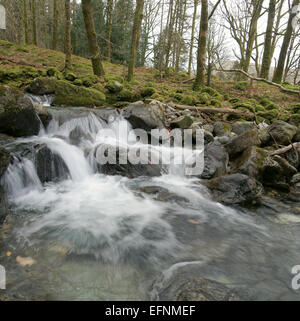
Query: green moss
{"type": "Point", "coordinates": [53, 72]}
{"type": "Point", "coordinates": [98, 87]}
{"type": "Point", "coordinates": [284, 117]}
{"type": "Point", "coordinates": [22, 49]}
{"type": "Point", "coordinates": [89, 81]}
{"type": "Point", "coordinates": [211, 92]}
{"type": "Point", "coordinates": [216, 103]}
{"type": "Point", "coordinates": [178, 97]}
{"type": "Point", "coordinates": [70, 76]}
{"type": "Point", "coordinates": [295, 119]}
{"type": "Point", "coordinates": [204, 99]}
{"type": "Point", "coordinates": [234, 100]}
{"type": "Point", "coordinates": [147, 92]}
{"type": "Point", "coordinates": [295, 109]}
{"type": "Point", "coordinates": [241, 85]}
{"type": "Point", "coordinates": [259, 108]}
{"type": "Point", "coordinates": [269, 115]}
{"type": "Point", "coordinates": [272, 106]}
{"type": "Point", "coordinates": [189, 100]}
{"type": "Point", "coordinates": [265, 102]}
{"type": "Point", "coordinates": [77, 82]}
{"type": "Point", "coordinates": [125, 95]}
{"type": "Point", "coordinates": [70, 95]}
{"type": "Point", "coordinates": [244, 106]}
{"type": "Point", "coordinates": [110, 77]}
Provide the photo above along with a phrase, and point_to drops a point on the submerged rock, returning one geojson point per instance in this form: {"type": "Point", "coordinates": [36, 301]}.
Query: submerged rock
{"type": "Point", "coordinates": [183, 282]}
{"type": "Point", "coordinates": [235, 189]}
{"type": "Point", "coordinates": [146, 117]}
{"type": "Point", "coordinates": [162, 194]}
{"type": "Point", "coordinates": [17, 114]}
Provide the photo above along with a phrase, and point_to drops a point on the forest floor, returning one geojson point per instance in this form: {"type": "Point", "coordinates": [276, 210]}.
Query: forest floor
{"type": "Point", "coordinates": [19, 65]}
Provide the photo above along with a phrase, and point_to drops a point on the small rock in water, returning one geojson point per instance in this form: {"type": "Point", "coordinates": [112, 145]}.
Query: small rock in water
{"type": "Point", "coordinates": [25, 261]}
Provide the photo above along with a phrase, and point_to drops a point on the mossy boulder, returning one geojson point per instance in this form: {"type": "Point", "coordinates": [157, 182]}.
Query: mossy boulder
{"type": "Point", "coordinates": [221, 129]}
{"type": "Point", "coordinates": [89, 81]}
{"type": "Point", "coordinates": [204, 99]}
{"type": "Point", "coordinates": [66, 93]}
{"type": "Point", "coordinates": [282, 132]}
{"type": "Point", "coordinates": [238, 144]}
{"type": "Point", "coordinates": [183, 122]}
{"type": "Point", "coordinates": [188, 100]}
{"type": "Point", "coordinates": [241, 127]}
{"type": "Point", "coordinates": [110, 77]}
{"type": "Point", "coordinates": [125, 95]}
{"type": "Point", "coordinates": [70, 95]}
{"type": "Point", "coordinates": [148, 92]}
{"type": "Point", "coordinates": [295, 109]}
{"type": "Point", "coordinates": [211, 92]}
{"type": "Point", "coordinates": [70, 76]}
{"type": "Point", "coordinates": [17, 114]}
{"type": "Point", "coordinates": [42, 86]}
{"type": "Point", "coordinates": [246, 106]}
{"type": "Point", "coordinates": [270, 115]}
{"type": "Point", "coordinates": [78, 82]}
{"type": "Point", "coordinates": [54, 72]}
{"type": "Point", "coordinates": [114, 86]}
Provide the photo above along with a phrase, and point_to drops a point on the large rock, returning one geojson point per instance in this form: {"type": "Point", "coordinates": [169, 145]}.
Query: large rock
{"type": "Point", "coordinates": [67, 94]}
{"type": "Point", "coordinates": [277, 171]}
{"type": "Point", "coordinates": [238, 144]}
{"type": "Point", "coordinates": [296, 138]}
{"type": "Point", "coordinates": [128, 170]}
{"type": "Point", "coordinates": [5, 159]}
{"type": "Point", "coordinates": [282, 132]}
{"type": "Point", "coordinates": [146, 117]}
{"type": "Point", "coordinates": [250, 162]}
{"type": "Point", "coordinates": [240, 127]}
{"type": "Point", "coordinates": [3, 205]}
{"type": "Point", "coordinates": [49, 166]}
{"type": "Point", "coordinates": [17, 114]}
{"type": "Point", "coordinates": [215, 160]}
{"type": "Point", "coordinates": [235, 189]}
{"type": "Point", "coordinates": [114, 87]}
{"type": "Point", "coordinates": [182, 122]}
{"type": "Point", "coordinates": [221, 129]}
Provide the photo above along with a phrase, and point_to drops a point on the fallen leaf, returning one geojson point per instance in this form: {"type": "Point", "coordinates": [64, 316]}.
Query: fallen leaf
{"type": "Point", "coordinates": [193, 221]}
{"type": "Point", "coordinates": [8, 253]}
{"type": "Point", "coordinates": [25, 261]}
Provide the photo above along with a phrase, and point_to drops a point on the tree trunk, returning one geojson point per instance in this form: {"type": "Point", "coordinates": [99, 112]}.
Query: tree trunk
{"type": "Point", "coordinates": [138, 17]}
{"type": "Point", "coordinates": [170, 32]}
{"type": "Point", "coordinates": [192, 37]}
{"type": "Point", "coordinates": [110, 4]}
{"type": "Point", "coordinates": [87, 11]}
{"type": "Point", "coordinates": [33, 22]}
{"type": "Point", "coordinates": [252, 33]}
{"type": "Point", "coordinates": [68, 47]}
{"type": "Point", "coordinates": [266, 61]}
{"type": "Point", "coordinates": [277, 78]}
{"type": "Point", "coordinates": [200, 77]}
{"type": "Point", "coordinates": [25, 22]}
{"type": "Point", "coordinates": [55, 25]}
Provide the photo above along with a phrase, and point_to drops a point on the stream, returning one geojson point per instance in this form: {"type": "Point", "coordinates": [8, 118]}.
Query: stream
{"type": "Point", "coordinates": [94, 236]}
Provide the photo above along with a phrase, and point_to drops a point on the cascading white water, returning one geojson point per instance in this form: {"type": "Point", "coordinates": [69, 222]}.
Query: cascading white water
{"type": "Point", "coordinates": [134, 228]}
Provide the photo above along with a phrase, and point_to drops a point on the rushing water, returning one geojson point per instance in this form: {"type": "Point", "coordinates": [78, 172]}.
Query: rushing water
{"type": "Point", "coordinates": [100, 237]}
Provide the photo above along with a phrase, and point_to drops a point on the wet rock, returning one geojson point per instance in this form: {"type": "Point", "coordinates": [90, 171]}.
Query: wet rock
{"type": "Point", "coordinates": [241, 127]}
{"type": "Point", "coordinates": [235, 189]}
{"type": "Point", "coordinates": [162, 194]}
{"type": "Point", "coordinates": [264, 136]}
{"type": "Point", "coordinates": [282, 132]}
{"type": "Point", "coordinates": [250, 162]}
{"type": "Point", "coordinates": [221, 129]}
{"type": "Point", "coordinates": [215, 160]}
{"type": "Point", "coordinates": [77, 136]}
{"type": "Point", "coordinates": [49, 166]}
{"type": "Point", "coordinates": [208, 127]}
{"type": "Point", "coordinates": [5, 159]}
{"type": "Point", "coordinates": [17, 114]}
{"type": "Point", "coordinates": [3, 205]}
{"type": "Point", "coordinates": [115, 166]}
{"type": "Point", "coordinates": [43, 114]}
{"type": "Point", "coordinates": [183, 282]}
{"type": "Point", "coordinates": [223, 140]}
{"type": "Point", "coordinates": [183, 122]}
{"type": "Point", "coordinates": [145, 117]}
{"type": "Point", "coordinates": [238, 144]}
